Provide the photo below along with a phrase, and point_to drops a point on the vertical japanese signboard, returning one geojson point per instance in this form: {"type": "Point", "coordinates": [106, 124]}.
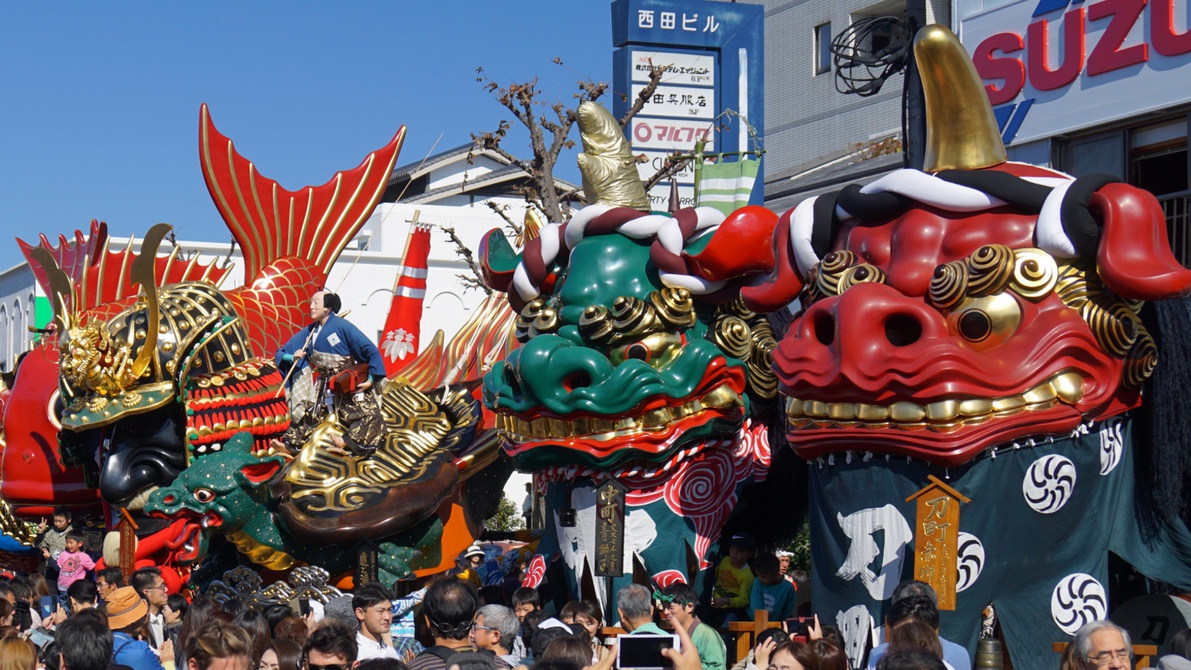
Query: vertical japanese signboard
{"type": "Point", "coordinates": [609, 553]}
{"type": "Point", "coordinates": [715, 59]}
{"type": "Point", "coordinates": [936, 538]}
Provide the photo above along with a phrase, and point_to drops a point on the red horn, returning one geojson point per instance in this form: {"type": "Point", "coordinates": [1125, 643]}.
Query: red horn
{"type": "Point", "coordinates": [784, 283]}
{"type": "Point", "coordinates": [1134, 258]}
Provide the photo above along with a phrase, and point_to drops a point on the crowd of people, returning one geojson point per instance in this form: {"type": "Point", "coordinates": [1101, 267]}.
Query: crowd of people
{"type": "Point", "coordinates": [471, 618]}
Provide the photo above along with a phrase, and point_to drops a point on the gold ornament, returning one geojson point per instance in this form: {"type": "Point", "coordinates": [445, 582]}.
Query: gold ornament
{"type": "Point", "coordinates": [961, 132]}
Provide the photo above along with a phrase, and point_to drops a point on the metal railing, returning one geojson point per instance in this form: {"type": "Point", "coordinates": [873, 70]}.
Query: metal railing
{"type": "Point", "coordinates": [1177, 208]}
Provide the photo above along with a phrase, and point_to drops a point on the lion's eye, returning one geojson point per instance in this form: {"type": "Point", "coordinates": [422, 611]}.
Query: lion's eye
{"type": "Point", "coordinates": [656, 349]}
{"type": "Point", "coordinates": [986, 322]}
{"type": "Point", "coordinates": [204, 495]}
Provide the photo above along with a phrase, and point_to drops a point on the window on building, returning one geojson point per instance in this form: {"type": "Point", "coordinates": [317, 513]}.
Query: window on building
{"type": "Point", "coordinates": [1103, 153]}
{"type": "Point", "coordinates": [1158, 157]}
{"type": "Point", "coordinates": [823, 48]}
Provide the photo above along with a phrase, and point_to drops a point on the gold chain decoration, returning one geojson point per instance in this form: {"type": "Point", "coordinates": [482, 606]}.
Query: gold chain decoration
{"type": "Point", "coordinates": [861, 274]}
{"type": "Point", "coordinates": [949, 285]}
{"type": "Point", "coordinates": [989, 270]}
{"type": "Point", "coordinates": [1034, 273]}
{"type": "Point", "coordinates": [536, 318]}
{"type": "Point", "coordinates": [747, 336]}
{"type": "Point", "coordinates": [1113, 320]}
{"type": "Point", "coordinates": [831, 271]}
{"type": "Point", "coordinates": [633, 318]}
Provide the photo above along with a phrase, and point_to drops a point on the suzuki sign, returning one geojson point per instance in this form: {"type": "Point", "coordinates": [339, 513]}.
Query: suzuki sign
{"type": "Point", "coordinates": [1053, 66]}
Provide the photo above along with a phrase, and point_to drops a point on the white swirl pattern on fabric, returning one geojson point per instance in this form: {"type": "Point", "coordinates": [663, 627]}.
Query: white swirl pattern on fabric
{"type": "Point", "coordinates": [1048, 483]}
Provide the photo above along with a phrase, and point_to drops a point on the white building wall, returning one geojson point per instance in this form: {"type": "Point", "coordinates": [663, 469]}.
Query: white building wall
{"type": "Point", "coordinates": [18, 293]}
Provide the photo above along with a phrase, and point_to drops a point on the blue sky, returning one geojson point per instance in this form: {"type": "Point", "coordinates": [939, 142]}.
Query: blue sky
{"type": "Point", "coordinates": [99, 111]}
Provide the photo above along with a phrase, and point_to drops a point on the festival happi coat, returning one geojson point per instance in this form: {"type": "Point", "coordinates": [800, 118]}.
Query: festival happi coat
{"type": "Point", "coordinates": [638, 363]}
{"type": "Point", "coordinates": [166, 383]}
{"type": "Point", "coordinates": [978, 348]}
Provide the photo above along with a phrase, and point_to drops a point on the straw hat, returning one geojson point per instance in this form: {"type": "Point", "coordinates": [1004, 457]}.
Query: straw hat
{"type": "Point", "coordinates": [125, 607]}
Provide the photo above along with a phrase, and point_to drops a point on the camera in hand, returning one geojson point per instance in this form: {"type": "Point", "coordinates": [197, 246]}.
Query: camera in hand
{"type": "Point", "coordinates": [644, 651]}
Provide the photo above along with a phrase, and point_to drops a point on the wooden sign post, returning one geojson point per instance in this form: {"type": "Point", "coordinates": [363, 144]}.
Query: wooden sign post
{"type": "Point", "coordinates": [936, 538]}
{"type": "Point", "coordinates": [367, 568]}
{"type": "Point", "coordinates": [127, 528]}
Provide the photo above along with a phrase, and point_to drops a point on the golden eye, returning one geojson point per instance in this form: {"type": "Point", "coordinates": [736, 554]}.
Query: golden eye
{"type": "Point", "coordinates": [204, 495]}
{"type": "Point", "coordinates": [656, 349]}
{"type": "Point", "coordinates": [986, 322]}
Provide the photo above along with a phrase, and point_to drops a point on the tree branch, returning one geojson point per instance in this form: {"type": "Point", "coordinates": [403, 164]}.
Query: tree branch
{"type": "Point", "coordinates": [655, 78]}
{"type": "Point", "coordinates": [670, 167]}
{"type": "Point", "coordinates": [463, 252]}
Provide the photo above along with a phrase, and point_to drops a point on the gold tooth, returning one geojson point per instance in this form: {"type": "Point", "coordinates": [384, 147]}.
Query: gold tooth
{"type": "Point", "coordinates": [975, 407]}
{"type": "Point", "coordinates": [867, 412]}
{"type": "Point", "coordinates": [627, 423]}
{"type": "Point", "coordinates": [1069, 387]}
{"type": "Point", "coordinates": [841, 411]}
{"type": "Point", "coordinates": [948, 427]}
{"type": "Point", "coordinates": [722, 397]}
{"type": "Point", "coordinates": [794, 407]}
{"type": "Point", "coordinates": [559, 428]}
{"type": "Point", "coordinates": [657, 418]}
{"type": "Point", "coordinates": [1008, 403]}
{"type": "Point", "coordinates": [906, 412]}
{"type": "Point", "coordinates": [943, 410]}
{"type": "Point", "coordinates": [816, 408]}
{"type": "Point", "coordinates": [1042, 393]}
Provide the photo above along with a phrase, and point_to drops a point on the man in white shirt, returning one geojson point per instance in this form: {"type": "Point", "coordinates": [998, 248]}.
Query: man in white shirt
{"type": "Point", "coordinates": [374, 610]}
{"type": "Point", "coordinates": [151, 588]}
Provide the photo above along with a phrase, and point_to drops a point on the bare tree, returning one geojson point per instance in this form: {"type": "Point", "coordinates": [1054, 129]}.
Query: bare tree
{"type": "Point", "coordinates": [549, 126]}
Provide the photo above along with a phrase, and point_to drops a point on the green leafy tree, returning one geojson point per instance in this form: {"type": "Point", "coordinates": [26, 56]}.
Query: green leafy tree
{"type": "Point", "coordinates": [507, 518]}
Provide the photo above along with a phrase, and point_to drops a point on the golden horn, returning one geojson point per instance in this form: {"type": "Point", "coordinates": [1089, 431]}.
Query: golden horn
{"type": "Point", "coordinates": [144, 272]}
{"type": "Point", "coordinates": [961, 132]}
{"type": "Point", "coordinates": [607, 163]}
{"type": "Point", "coordinates": [60, 290]}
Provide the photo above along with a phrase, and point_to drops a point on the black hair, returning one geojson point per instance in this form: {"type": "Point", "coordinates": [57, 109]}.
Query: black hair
{"type": "Point", "coordinates": [527, 596]}
{"type": "Point", "coordinates": [332, 638]}
{"type": "Point", "coordinates": [493, 595]}
{"type": "Point", "coordinates": [254, 623]}
{"type": "Point", "coordinates": [143, 579]}
{"type": "Point", "coordinates": [1181, 643]}
{"type": "Point", "coordinates": [111, 575]}
{"type": "Point", "coordinates": [370, 594]}
{"type": "Point", "coordinates": [179, 604]}
{"type": "Point", "coordinates": [76, 535]}
{"type": "Point", "coordinates": [681, 593]}
{"type": "Point", "coordinates": [62, 511]}
{"type": "Point", "coordinates": [232, 606]}
{"type": "Point", "coordinates": [778, 636]}
{"type": "Point", "coordinates": [555, 664]}
{"type": "Point", "coordinates": [921, 608]}
{"type": "Point", "coordinates": [332, 302]}
{"type": "Point", "coordinates": [83, 591]}
{"type": "Point", "coordinates": [767, 563]}
{"type": "Point", "coordinates": [910, 659]}
{"type": "Point", "coordinates": [274, 613]}
{"type": "Point", "coordinates": [449, 606]}
{"type": "Point", "coordinates": [85, 643]}
{"type": "Point", "coordinates": [381, 664]}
